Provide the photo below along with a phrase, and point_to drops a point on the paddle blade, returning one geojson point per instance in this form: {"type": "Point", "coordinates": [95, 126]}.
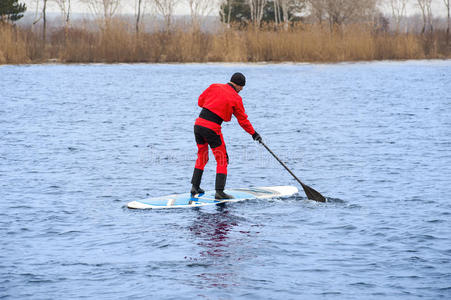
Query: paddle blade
{"type": "Point", "coordinates": [313, 194]}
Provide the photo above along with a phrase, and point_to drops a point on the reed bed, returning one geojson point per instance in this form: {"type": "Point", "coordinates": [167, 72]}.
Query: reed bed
{"type": "Point", "coordinates": [117, 42]}
{"type": "Point", "coordinates": [13, 46]}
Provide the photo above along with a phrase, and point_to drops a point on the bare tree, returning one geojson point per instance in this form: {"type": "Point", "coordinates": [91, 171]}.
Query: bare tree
{"type": "Point", "coordinates": [139, 12]}
{"type": "Point", "coordinates": [229, 2]}
{"type": "Point", "coordinates": [226, 5]}
{"type": "Point", "coordinates": [41, 14]}
{"type": "Point", "coordinates": [426, 12]}
{"type": "Point", "coordinates": [339, 12]}
{"type": "Point", "coordinates": [429, 14]}
{"type": "Point", "coordinates": [290, 6]}
{"type": "Point", "coordinates": [166, 9]}
{"type": "Point", "coordinates": [65, 7]}
{"type": "Point", "coordinates": [140, 8]}
{"type": "Point", "coordinates": [276, 12]}
{"type": "Point", "coordinates": [448, 20]}
{"type": "Point", "coordinates": [199, 9]}
{"type": "Point", "coordinates": [343, 11]}
{"type": "Point", "coordinates": [104, 8]}
{"type": "Point", "coordinates": [37, 14]}
{"type": "Point", "coordinates": [318, 9]}
{"type": "Point", "coordinates": [398, 10]}
{"type": "Point", "coordinates": [284, 4]}
{"type": "Point", "coordinates": [257, 9]}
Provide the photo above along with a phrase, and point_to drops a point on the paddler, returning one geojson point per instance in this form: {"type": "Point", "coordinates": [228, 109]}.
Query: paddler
{"type": "Point", "coordinates": [218, 102]}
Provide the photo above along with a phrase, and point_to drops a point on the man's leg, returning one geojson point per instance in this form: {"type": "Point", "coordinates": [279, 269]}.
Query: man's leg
{"type": "Point", "coordinates": [222, 160]}
{"type": "Point", "coordinates": [201, 161]}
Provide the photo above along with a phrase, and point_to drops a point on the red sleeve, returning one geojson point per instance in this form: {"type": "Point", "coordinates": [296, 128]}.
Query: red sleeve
{"type": "Point", "coordinates": [240, 114]}
{"type": "Point", "coordinates": [203, 96]}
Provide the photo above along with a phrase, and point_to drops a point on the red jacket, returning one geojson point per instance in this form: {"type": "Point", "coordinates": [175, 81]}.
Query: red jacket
{"type": "Point", "coordinates": [223, 100]}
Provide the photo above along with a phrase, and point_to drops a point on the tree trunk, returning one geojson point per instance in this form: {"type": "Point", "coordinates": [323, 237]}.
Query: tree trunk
{"type": "Point", "coordinates": [429, 14]}
{"type": "Point", "coordinates": [285, 14]}
{"type": "Point", "coordinates": [260, 13]}
{"type": "Point", "coordinates": [138, 16]}
{"type": "Point", "coordinates": [398, 8]}
{"type": "Point", "coordinates": [68, 14]}
{"type": "Point", "coordinates": [447, 29]}
{"type": "Point", "coordinates": [229, 2]}
{"type": "Point", "coordinates": [424, 21]}
{"type": "Point", "coordinates": [44, 18]}
{"type": "Point", "coordinates": [256, 7]}
{"type": "Point", "coordinates": [426, 12]}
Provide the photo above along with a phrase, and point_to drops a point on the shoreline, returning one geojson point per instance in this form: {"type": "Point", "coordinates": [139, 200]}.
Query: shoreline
{"type": "Point", "coordinates": [262, 63]}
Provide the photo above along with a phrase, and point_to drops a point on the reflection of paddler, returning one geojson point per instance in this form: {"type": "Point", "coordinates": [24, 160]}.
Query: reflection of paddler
{"type": "Point", "coordinates": [213, 230]}
{"type": "Point", "coordinates": [218, 249]}
{"type": "Point", "coordinates": [218, 102]}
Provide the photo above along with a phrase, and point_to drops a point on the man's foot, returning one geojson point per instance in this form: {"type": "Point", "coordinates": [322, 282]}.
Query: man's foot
{"type": "Point", "coordinates": [195, 181]}
{"type": "Point", "coordinates": [196, 190]}
{"type": "Point", "coordinates": [221, 195]}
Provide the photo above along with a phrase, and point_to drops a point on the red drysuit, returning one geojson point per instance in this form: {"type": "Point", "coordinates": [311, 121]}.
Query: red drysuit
{"type": "Point", "coordinates": [219, 102]}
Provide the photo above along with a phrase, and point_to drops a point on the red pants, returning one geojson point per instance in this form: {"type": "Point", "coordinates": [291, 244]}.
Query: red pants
{"type": "Point", "coordinates": [209, 133]}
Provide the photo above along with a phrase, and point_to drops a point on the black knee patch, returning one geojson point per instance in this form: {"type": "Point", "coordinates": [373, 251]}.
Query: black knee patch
{"type": "Point", "coordinates": [214, 141]}
{"type": "Point", "coordinates": [198, 136]}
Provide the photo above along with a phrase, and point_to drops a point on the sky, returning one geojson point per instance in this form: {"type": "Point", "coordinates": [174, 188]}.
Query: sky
{"type": "Point", "coordinates": [127, 7]}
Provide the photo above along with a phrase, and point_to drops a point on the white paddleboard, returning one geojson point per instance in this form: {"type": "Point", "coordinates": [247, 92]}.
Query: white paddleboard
{"type": "Point", "coordinates": [186, 200]}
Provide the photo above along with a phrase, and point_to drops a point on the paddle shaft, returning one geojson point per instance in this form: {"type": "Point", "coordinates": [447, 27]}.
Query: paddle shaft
{"type": "Point", "coordinates": [311, 193]}
{"type": "Point", "coordinates": [282, 163]}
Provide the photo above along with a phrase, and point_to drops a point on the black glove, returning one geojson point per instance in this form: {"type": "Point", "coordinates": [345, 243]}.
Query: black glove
{"type": "Point", "coordinates": [257, 137]}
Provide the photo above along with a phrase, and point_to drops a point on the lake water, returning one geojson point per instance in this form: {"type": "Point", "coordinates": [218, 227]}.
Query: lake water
{"type": "Point", "coordinates": [80, 141]}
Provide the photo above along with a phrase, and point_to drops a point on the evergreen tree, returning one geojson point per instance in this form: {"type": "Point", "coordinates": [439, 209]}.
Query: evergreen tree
{"type": "Point", "coordinates": [11, 10]}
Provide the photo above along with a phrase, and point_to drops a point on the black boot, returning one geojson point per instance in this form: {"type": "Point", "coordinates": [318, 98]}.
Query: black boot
{"type": "Point", "coordinates": [197, 177]}
{"type": "Point", "coordinates": [220, 184]}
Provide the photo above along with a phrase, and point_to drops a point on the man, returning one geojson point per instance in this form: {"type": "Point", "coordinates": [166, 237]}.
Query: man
{"type": "Point", "coordinates": [218, 102]}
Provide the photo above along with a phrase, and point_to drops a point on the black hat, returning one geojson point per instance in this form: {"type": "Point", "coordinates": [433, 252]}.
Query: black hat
{"type": "Point", "coordinates": [238, 79]}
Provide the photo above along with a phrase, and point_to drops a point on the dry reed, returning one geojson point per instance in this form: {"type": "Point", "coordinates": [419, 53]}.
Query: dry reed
{"type": "Point", "coordinates": [117, 42]}
{"type": "Point", "coordinates": [13, 46]}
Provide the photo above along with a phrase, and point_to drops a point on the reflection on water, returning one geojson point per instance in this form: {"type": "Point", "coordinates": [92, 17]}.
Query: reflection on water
{"type": "Point", "coordinates": [212, 231]}
{"type": "Point", "coordinates": [219, 246]}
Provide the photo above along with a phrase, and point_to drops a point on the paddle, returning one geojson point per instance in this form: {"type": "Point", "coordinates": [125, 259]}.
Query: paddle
{"type": "Point", "coordinates": [311, 193]}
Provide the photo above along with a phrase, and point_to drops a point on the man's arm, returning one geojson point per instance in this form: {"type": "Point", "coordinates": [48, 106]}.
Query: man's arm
{"type": "Point", "coordinates": [240, 114]}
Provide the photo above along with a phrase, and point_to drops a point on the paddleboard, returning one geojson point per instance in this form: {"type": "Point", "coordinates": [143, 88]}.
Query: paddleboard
{"type": "Point", "coordinates": [186, 200]}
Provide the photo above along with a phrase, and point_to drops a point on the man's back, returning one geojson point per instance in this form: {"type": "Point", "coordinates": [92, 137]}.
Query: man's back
{"type": "Point", "coordinates": [220, 99]}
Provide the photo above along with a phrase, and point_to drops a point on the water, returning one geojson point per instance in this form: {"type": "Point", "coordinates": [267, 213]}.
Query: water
{"type": "Point", "coordinates": [80, 141]}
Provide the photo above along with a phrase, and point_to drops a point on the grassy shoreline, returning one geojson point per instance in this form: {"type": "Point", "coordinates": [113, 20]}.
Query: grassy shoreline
{"type": "Point", "coordinates": [118, 43]}
{"type": "Point", "coordinates": [261, 63]}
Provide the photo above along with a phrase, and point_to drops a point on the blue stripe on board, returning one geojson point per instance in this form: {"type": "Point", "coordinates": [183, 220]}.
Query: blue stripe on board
{"type": "Point", "coordinates": [183, 199]}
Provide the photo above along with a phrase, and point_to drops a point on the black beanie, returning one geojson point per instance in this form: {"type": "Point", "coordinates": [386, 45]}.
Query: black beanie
{"type": "Point", "coordinates": [238, 79]}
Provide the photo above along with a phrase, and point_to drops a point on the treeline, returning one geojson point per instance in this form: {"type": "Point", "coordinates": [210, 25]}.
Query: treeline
{"type": "Point", "coordinates": [252, 31]}
{"type": "Point", "coordinates": [243, 12]}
